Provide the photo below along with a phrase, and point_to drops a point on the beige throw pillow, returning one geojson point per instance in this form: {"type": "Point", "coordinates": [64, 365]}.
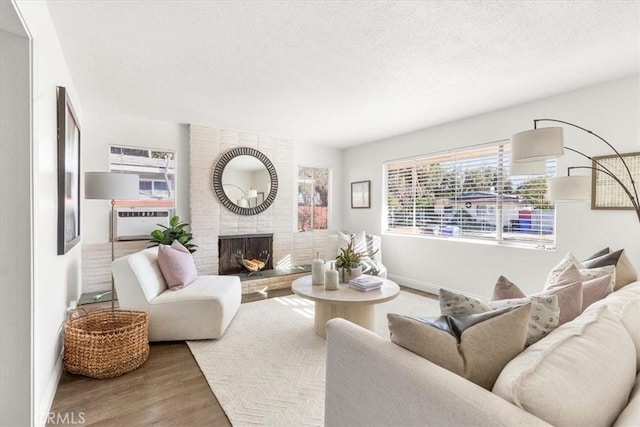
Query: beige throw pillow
{"type": "Point", "coordinates": [625, 271]}
{"type": "Point", "coordinates": [569, 296]}
{"type": "Point", "coordinates": [482, 351]}
{"type": "Point", "coordinates": [544, 310]}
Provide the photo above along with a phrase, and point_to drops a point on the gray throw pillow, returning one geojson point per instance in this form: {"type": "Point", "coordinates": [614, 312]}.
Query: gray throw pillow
{"type": "Point", "coordinates": [476, 347]}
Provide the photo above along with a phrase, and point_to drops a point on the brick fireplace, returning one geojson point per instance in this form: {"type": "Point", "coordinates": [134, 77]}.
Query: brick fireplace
{"type": "Point", "coordinates": [210, 220]}
{"type": "Point", "coordinates": [251, 246]}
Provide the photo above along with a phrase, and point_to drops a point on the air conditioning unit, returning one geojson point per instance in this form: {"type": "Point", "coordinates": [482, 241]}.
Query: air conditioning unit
{"type": "Point", "coordinates": [136, 223]}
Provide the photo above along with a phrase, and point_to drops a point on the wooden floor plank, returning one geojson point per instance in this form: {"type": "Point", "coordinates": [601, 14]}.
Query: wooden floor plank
{"type": "Point", "coordinates": [167, 390]}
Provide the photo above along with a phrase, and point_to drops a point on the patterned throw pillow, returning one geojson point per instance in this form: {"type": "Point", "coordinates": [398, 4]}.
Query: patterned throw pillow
{"type": "Point", "coordinates": [594, 273]}
{"type": "Point", "coordinates": [476, 347]}
{"type": "Point", "coordinates": [360, 240]}
{"type": "Point", "coordinates": [544, 317]}
{"type": "Point", "coordinates": [595, 290]}
{"type": "Point", "coordinates": [569, 296]}
{"type": "Point", "coordinates": [562, 265]}
{"type": "Point", "coordinates": [369, 266]}
{"type": "Point", "coordinates": [592, 290]}
{"type": "Point", "coordinates": [587, 273]}
{"type": "Point", "coordinates": [625, 271]}
{"type": "Point", "coordinates": [372, 247]}
{"type": "Point", "coordinates": [343, 240]}
{"type": "Point", "coordinates": [363, 243]}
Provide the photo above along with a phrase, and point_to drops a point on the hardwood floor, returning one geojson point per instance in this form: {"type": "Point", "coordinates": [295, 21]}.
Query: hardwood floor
{"type": "Point", "coordinates": [167, 390]}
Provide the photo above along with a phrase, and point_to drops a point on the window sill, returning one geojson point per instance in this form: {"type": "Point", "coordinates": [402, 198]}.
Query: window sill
{"type": "Point", "coordinates": [488, 242]}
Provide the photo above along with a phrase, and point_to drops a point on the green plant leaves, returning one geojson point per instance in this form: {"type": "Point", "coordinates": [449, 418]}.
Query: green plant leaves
{"type": "Point", "coordinates": [175, 231]}
{"type": "Point", "coordinates": [348, 257]}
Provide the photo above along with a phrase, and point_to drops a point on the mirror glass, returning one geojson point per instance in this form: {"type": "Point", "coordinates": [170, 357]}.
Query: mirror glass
{"type": "Point", "coordinates": [245, 181]}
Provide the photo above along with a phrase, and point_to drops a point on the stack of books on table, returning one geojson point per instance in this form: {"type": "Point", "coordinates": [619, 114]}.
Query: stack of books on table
{"type": "Point", "coordinates": [365, 283]}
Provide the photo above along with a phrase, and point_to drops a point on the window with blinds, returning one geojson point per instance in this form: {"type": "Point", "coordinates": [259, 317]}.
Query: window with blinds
{"type": "Point", "coordinates": [470, 193]}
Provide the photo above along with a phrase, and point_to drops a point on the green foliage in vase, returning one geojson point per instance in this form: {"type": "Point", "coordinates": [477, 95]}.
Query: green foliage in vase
{"type": "Point", "coordinates": [349, 258]}
{"type": "Point", "coordinates": [175, 231]}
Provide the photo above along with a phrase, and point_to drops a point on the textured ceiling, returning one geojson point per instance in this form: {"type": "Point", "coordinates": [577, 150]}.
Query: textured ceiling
{"type": "Point", "coordinates": [337, 72]}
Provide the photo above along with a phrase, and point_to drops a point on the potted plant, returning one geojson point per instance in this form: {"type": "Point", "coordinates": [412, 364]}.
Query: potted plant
{"type": "Point", "coordinates": [348, 261]}
{"type": "Point", "coordinates": [175, 231]}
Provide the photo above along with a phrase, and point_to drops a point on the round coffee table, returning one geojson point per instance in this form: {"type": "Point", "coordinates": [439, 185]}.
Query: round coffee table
{"type": "Point", "coordinates": [348, 303]}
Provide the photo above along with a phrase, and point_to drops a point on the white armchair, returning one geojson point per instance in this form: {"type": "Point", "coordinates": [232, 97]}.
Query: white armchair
{"type": "Point", "coordinates": [201, 310]}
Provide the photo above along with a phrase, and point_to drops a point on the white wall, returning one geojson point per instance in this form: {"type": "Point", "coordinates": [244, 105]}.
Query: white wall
{"type": "Point", "coordinates": [102, 130]}
{"type": "Point", "coordinates": [15, 215]}
{"type": "Point", "coordinates": [611, 110]}
{"type": "Point", "coordinates": [56, 279]}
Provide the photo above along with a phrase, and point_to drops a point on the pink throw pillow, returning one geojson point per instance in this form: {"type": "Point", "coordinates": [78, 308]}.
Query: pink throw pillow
{"type": "Point", "coordinates": [569, 297]}
{"type": "Point", "coordinates": [569, 275]}
{"type": "Point", "coordinates": [592, 290]}
{"type": "Point", "coordinates": [595, 290]}
{"type": "Point", "coordinates": [506, 289]}
{"type": "Point", "coordinates": [569, 300]}
{"type": "Point", "coordinates": [177, 265]}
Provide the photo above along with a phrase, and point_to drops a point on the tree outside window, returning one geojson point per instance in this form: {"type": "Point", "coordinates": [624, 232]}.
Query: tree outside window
{"type": "Point", "coordinates": [469, 193]}
{"type": "Point", "coordinates": [313, 198]}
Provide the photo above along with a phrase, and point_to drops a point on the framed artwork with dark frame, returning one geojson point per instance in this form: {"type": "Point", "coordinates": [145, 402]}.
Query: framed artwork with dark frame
{"type": "Point", "coordinates": [606, 193]}
{"type": "Point", "coordinates": [360, 195]}
{"type": "Point", "coordinates": [68, 174]}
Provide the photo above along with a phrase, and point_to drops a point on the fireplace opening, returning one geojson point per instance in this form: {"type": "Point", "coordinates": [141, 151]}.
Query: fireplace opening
{"type": "Point", "coordinates": [254, 248]}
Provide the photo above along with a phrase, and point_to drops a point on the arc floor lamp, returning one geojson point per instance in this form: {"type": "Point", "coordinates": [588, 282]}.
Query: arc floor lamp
{"type": "Point", "coordinates": [246, 195]}
{"type": "Point", "coordinates": [546, 143]}
{"type": "Point", "coordinates": [111, 186]}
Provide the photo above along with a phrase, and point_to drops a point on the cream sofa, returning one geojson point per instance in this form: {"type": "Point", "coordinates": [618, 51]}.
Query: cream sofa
{"type": "Point", "coordinates": [585, 373]}
{"type": "Point", "coordinates": [201, 310]}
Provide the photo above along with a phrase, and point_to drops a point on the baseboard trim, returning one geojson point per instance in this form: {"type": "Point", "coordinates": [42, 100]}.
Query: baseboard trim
{"type": "Point", "coordinates": [43, 410]}
{"type": "Point", "coordinates": [427, 287]}
{"type": "Point", "coordinates": [415, 284]}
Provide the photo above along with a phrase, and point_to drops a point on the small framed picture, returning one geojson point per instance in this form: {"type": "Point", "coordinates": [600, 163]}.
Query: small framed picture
{"type": "Point", "coordinates": [360, 194]}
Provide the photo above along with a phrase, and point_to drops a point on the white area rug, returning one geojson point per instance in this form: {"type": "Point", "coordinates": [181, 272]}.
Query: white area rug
{"type": "Point", "coordinates": [269, 367]}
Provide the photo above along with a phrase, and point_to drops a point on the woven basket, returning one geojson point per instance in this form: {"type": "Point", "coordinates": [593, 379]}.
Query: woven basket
{"type": "Point", "coordinates": [106, 344]}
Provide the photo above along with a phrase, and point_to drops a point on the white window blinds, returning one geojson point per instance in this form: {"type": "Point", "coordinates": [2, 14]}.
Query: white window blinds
{"type": "Point", "coordinates": [469, 193]}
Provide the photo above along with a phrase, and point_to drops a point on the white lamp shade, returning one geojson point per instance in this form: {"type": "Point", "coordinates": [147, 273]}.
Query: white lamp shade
{"type": "Point", "coordinates": [243, 203]}
{"type": "Point", "coordinates": [111, 186]}
{"type": "Point", "coordinates": [569, 188]}
{"type": "Point", "coordinates": [528, 168]}
{"type": "Point", "coordinates": [251, 194]}
{"type": "Point", "coordinates": [537, 144]}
